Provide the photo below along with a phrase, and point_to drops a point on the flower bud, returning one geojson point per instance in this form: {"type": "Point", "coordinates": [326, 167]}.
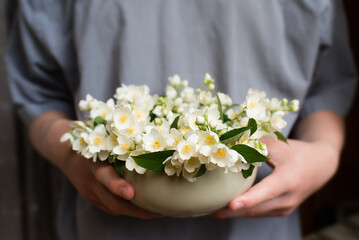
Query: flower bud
{"type": "Point", "coordinates": [284, 102]}
{"type": "Point", "coordinates": [158, 121]}
{"type": "Point", "coordinates": [211, 87]}
{"type": "Point", "coordinates": [213, 124]}
{"type": "Point", "coordinates": [137, 139]}
{"type": "Point", "coordinates": [200, 120]}
{"type": "Point", "coordinates": [178, 101]}
{"type": "Point", "coordinates": [294, 105]}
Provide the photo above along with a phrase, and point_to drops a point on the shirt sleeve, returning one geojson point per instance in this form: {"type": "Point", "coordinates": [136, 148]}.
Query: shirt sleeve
{"type": "Point", "coordinates": [38, 47]}
{"type": "Point", "coordinates": [334, 79]}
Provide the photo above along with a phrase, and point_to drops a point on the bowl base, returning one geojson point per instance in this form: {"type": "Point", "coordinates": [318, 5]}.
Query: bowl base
{"type": "Point", "coordinates": [179, 214]}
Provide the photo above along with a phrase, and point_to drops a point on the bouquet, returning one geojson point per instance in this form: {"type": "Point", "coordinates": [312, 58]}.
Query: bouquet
{"type": "Point", "coordinates": [184, 133]}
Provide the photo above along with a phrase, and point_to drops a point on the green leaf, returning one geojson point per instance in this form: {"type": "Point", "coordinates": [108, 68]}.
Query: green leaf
{"type": "Point", "coordinates": [250, 154]}
{"type": "Point", "coordinates": [99, 120]}
{"type": "Point", "coordinates": [220, 109]}
{"type": "Point", "coordinates": [229, 107]}
{"type": "Point", "coordinates": [248, 172]}
{"type": "Point", "coordinates": [175, 122]}
{"type": "Point", "coordinates": [252, 124]}
{"type": "Point", "coordinates": [234, 134]}
{"type": "Point", "coordinates": [112, 158]}
{"type": "Point", "coordinates": [202, 170]}
{"type": "Point", "coordinates": [281, 137]}
{"type": "Point", "coordinates": [153, 161]}
{"type": "Point", "coordinates": [225, 118]}
{"type": "Point", "coordinates": [118, 165]}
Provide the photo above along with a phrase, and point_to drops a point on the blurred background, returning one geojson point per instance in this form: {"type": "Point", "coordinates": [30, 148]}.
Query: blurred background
{"type": "Point", "coordinates": [30, 187]}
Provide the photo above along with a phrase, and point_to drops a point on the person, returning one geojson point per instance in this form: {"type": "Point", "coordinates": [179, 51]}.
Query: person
{"type": "Point", "coordinates": [59, 51]}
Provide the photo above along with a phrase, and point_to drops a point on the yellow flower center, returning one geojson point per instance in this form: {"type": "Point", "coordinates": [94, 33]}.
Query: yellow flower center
{"type": "Point", "coordinates": [175, 140]}
{"type": "Point", "coordinates": [253, 105]}
{"type": "Point", "coordinates": [138, 115]}
{"type": "Point", "coordinates": [156, 144]}
{"type": "Point", "coordinates": [124, 146]}
{"type": "Point", "coordinates": [103, 115]}
{"type": "Point", "coordinates": [186, 148]}
{"type": "Point", "coordinates": [123, 118]}
{"type": "Point", "coordinates": [82, 142]}
{"type": "Point", "coordinates": [97, 141]}
{"type": "Point", "coordinates": [114, 139]}
{"type": "Point", "coordinates": [130, 130]}
{"type": "Point", "coordinates": [184, 129]}
{"type": "Point", "coordinates": [134, 95]}
{"type": "Point", "coordinates": [243, 139]}
{"type": "Point", "coordinates": [209, 140]}
{"type": "Point", "coordinates": [220, 153]}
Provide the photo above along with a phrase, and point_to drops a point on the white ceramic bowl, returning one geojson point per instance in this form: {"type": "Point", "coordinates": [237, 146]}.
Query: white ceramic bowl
{"type": "Point", "coordinates": [175, 196]}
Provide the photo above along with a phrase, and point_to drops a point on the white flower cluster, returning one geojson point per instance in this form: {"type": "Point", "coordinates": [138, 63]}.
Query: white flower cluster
{"type": "Point", "coordinates": [193, 124]}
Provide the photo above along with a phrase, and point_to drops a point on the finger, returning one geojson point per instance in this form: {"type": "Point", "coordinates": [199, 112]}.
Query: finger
{"type": "Point", "coordinates": [281, 206]}
{"type": "Point", "coordinates": [113, 205]}
{"type": "Point", "coordinates": [269, 188]}
{"type": "Point", "coordinates": [107, 176]}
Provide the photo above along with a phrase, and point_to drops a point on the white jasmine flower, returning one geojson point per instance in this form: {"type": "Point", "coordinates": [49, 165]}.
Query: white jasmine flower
{"type": "Point", "coordinates": [124, 145]}
{"type": "Point", "coordinates": [123, 118]}
{"type": "Point", "coordinates": [174, 137]}
{"type": "Point", "coordinates": [205, 97]}
{"type": "Point", "coordinates": [132, 165]}
{"type": "Point", "coordinates": [188, 148]}
{"type": "Point", "coordinates": [97, 139]}
{"type": "Point", "coordinates": [141, 113]}
{"type": "Point", "coordinates": [81, 143]}
{"type": "Point", "coordinates": [207, 138]}
{"type": "Point", "coordinates": [154, 141]}
{"type": "Point", "coordinates": [103, 110]}
{"type": "Point", "coordinates": [277, 121]}
{"type": "Point", "coordinates": [67, 137]}
{"type": "Point", "coordinates": [189, 175]}
{"type": "Point", "coordinates": [188, 95]}
{"type": "Point", "coordinates": [223, 156]}
{"type": "Point", "coordinates": [88, 104]}
{"type": "Point", "coordinates": [256, 107]}
{"type": "Point", "coordinates": [225, 99]}
{"type": "Point", "coordinates": [172, 165]}
{"type": "Point", "coordinates": [239, 165]}
{"type": "Point", "coordinates": [171, 92]}
{"type": "Point", "coordinates": [191, 164]}
{"type": "Point", "coordinates": [131, 93]}
{"type": "Point", "coordinates": [175, 80]}
{"type": "Point", "coordinates": [190, 119]}
{"type": "Point", "coordinates": [274, 105]}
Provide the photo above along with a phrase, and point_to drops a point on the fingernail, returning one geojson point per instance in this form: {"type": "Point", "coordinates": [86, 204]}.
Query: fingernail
{"type": "Point", "coordinates": [124, 192]}
{"type": "Point", "coordinates": [237, 205]}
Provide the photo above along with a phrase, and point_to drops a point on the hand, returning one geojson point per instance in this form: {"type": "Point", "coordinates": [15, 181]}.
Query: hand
{"type": "Point", "coordinates": [98, 183]}
{"type": "Point", "coordinates": [300, 168]}
{"type": "Point", "coordinates": [101, 186]}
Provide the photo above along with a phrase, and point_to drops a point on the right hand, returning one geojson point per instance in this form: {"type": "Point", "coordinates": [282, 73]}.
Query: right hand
{"type": "Point", "coordinates": [98, 183]}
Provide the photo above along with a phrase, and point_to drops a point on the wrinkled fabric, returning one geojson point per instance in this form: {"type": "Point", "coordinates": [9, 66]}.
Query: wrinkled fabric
{"type": "Point", "coordinates": [58, 51]}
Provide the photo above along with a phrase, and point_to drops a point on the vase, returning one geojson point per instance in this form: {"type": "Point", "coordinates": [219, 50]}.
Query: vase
{"type": "Point", "coordinates": [177, 197]}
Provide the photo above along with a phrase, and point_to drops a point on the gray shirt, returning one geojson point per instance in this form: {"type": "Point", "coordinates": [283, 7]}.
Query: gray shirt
{"type": "Point", "coordinates": [61, 50]}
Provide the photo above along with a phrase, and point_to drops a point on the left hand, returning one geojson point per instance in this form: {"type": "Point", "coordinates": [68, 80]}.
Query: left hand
{"type": "Point", "coordinates": [300, 168]}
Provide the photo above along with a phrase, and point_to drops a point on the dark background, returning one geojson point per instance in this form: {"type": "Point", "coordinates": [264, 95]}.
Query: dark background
{"type": "Point", "coordinates": [28, 202]}
{"type": "Point", "coordinates": [340, 197]}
